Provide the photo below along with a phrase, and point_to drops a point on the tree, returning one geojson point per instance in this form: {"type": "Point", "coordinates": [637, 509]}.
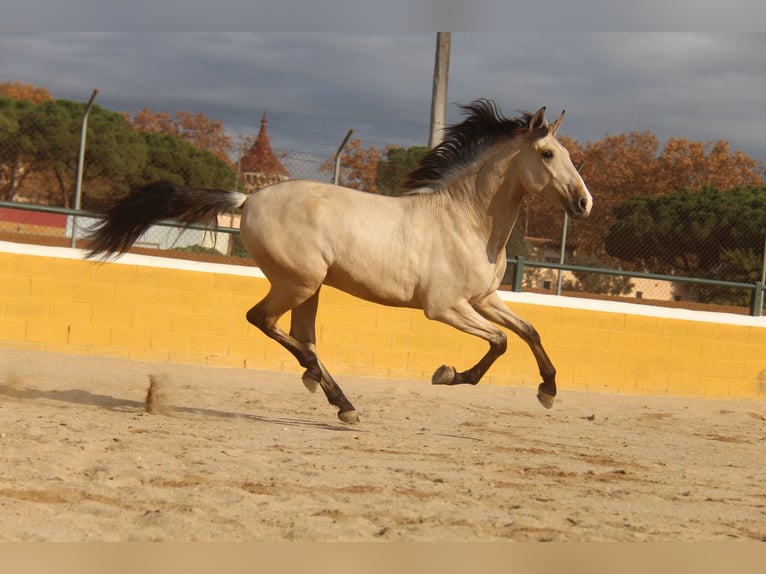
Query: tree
{"type": "Point", "coordinates": [50, 134]}
{"type": "Point", "coordinates": [27, 92]}
{"type": "Point", "coordinates": [13, 163]}
{"type": "Point", "coordinates": [711, 234]}
{"type": "Point", "coordinates": [197, 129]}
{"type": "Point", "coordinates": [392, 171]}
{"type": "Point", "coordinates": [596, 282]}
{"type": "Point", "coordinates": [358, 167]}
{"type": "Point", "coordinates": [635, 164]}
{"type": "Point", "coordinates": [177, 160]}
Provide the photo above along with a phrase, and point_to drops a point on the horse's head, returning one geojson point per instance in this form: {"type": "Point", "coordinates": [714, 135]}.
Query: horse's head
{"type": "Point", "coordinates": [546, 169]}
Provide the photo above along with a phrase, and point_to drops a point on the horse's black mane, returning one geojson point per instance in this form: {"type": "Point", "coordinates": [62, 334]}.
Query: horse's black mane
{"type": "Point", "coordinates": [464, 143]}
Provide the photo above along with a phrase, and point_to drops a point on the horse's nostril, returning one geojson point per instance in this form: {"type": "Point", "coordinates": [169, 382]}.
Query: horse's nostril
{"type": "Point", "coordinates": [583, 203]}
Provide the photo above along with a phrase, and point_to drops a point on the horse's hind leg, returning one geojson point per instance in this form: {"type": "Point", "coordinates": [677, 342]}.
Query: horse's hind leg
{"type": "Point", "coordinates": [303, 330]}
{"type": "Point", "coordinates": [265, 315]}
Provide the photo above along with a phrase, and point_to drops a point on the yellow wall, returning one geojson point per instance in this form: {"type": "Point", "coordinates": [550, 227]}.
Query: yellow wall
{"type": "Point", "coordinates": [149, 313]}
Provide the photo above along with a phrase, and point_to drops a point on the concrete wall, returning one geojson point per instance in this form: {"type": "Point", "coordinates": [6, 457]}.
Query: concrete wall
{"type": "Point", "coordinates": [155, 309]}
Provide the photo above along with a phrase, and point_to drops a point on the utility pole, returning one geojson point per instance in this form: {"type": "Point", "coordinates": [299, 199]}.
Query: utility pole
{"type": "Point", "coordinates": [439, 95]}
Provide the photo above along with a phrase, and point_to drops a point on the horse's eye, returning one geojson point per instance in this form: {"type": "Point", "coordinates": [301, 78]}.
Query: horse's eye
{"type": "Point", "coordinates": [547, 154]}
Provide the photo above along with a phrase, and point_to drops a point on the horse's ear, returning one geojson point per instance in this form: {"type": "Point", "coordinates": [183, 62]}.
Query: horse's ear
{"type": "Point", "coordinates": [538, 120]}
{"type": "Point", "coordinates": [554, 127]}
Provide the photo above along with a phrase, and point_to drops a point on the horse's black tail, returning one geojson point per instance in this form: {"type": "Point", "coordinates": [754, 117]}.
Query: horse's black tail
{"type": "Point", "coordinates": [128, 218]}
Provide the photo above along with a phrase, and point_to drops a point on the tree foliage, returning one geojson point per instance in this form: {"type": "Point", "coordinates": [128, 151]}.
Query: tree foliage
{"type": "Point", "coordinates": [393, 169]}
{"type": "Point", "coordinates": [197, 129]}
{"type": "Point", "coordinates": [635, 164]}
{"type": "Point", "coordinates": [358, 166]}
{"type": "Point", "coordinates": [39, 151]}
{"type": "Point", "coordinates": [25, 92]}
{"type": "Point", "coordinates": [709, 233]}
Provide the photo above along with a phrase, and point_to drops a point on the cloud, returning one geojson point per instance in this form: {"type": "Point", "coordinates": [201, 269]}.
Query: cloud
{"type": "Point", "coordinates": [315, 86]}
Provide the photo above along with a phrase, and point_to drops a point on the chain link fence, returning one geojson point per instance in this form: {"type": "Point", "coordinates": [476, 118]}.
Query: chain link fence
{"type": "Point", "coordinates": [712, 235]}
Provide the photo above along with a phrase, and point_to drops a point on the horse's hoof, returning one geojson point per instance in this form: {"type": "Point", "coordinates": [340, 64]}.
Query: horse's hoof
{"type": "Point", "coordinates": [444, 375]}
{"type": "Point", "coordinates": [309, 383]}
{"type": "Point", "coordinates": [545, 399]}
{"type": "Point", "coordinates": [348, 417]}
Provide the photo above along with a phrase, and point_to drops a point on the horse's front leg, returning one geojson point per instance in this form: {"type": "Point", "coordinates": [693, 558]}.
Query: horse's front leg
{"type": "Point", "coordinates": [463, 317]}
{"type": "Point", "coordinates": [494, 309]}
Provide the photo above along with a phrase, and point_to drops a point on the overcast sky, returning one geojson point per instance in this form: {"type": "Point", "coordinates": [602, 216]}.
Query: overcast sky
{"type": "Point", "coordinates": [315, 86]}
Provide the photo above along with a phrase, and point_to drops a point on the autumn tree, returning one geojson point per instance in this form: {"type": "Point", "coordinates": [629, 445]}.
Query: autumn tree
{"type": "Point", "coordinates": [27, 92]}
{"type": "Point", "coordinates": [358, 166]}
{"type": "Point", "coordinates": [619, 167]}
{"type": "Point", "coordinates": [197, 129]}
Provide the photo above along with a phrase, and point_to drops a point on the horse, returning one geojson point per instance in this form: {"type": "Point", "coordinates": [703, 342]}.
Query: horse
{"type": "Point", "coordinates": [438, 247]}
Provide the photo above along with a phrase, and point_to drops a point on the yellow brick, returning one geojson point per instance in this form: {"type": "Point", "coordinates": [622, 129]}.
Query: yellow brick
{"type": "Point", "coordinates": [169, 341]}
{"type": "Point", "coordinates": [89, 335]}
{"type": "Point", "coordinates": [248, 347]}
{"type": "Point", "coordinates": [421, 361]}
{"type": "Point", "coordinates": [374, 338]}
{"type": "Point", "coordinates": [130, 339]}
{"type": "Point", "coordinates": [31, 266]}
{"type": "Point", "coordinates": [156, 277]}
{"type": "Point", "coordinates": [26, 309]}
{"type": "Point", "coordinates": [152, 319]}
{"type": "Point", "coordinates": [74, 270]}
{"type": "Point", "coordinates": [576, 318]}
{"type": "Point", "coordinates": [276, 352]}
{"type": "Point", "coordinates": [395, 319]}
{"type": "Point", "coordinates": [194, 281]}
{"type": "Point", "coordinates": [603, 320]}
{"type": "Point", "coordinates": [183, 322]}
{"type": "Point", "coordinates": [208, 345]}
{"type": "Point", "coordinates": [745, 390]}
{"type": "Point", "coordinates": [13, 329]}
{"type": "Point", "coordinates": [388, 359]}
{"type": "Point", "coordinates": [134, 295]}
{"type": "Point", "coordinates": [172, 300]}
{"type": "Point", "coordinates": [49, 333]}
{"type": "Point", "coordinates": [237, 285]}
{"type": "Point", "coordinates": [89, 292]}
{"type": "Point", "coordinates": [684, 384]}
{"type": "Point", "coordinates": [103, 315]}
{"type": "Point", "coordinates": [212, 303]}
{"type": "Point", "coordinates": [115, 273]}
{"type": "Point", "coordinates": [68, 312]}
{"type": "Point", "coordinates": [699, 330]}
{"type": "Point", "coordinates": [229, 326]}
{"type": "Point", "coordinates": [51, 289]}
{"type": "Point", "coordinates": [14, 286]}
{"type": "Point", "coordinates": [681, 347]}
{"type": "Point", "coordinates": [353, 357]}
{"type": "Point", "coordinates": [757, 336]}
{"type": "Point", "coordinates": [409, 341]}
{"type": "Point", "coordinates": [733, 333]}
{"type": "Point", "coordinates": [337, 335]}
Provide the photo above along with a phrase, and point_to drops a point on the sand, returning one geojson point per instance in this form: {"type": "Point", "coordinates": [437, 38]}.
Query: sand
{"type": "Point", "coordinates": [220, 454]}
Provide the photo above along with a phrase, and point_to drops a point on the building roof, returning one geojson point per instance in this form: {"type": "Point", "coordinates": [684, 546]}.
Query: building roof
{"type": "Point", "coordinates": [260, 158]}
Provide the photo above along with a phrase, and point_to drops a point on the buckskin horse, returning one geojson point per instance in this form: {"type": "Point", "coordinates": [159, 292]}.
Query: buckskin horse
{"type": "Point", "coordinates": [439, 247]}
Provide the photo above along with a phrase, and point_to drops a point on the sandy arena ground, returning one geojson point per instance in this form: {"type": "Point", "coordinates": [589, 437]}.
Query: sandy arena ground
{"type": "Point", "coordinates": [237, 455]}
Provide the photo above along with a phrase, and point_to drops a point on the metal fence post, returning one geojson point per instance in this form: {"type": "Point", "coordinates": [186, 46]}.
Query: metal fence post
{"type": "Point", "coordinates": [518, 274]}
{"type": "Point", "coordinates": [756, 300]}
{"type": "Point", "coordinates": [81, 164]}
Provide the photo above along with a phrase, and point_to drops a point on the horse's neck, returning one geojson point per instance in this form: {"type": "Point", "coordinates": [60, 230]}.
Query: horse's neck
{"type": "Point", "coordinates": [492, 195]}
